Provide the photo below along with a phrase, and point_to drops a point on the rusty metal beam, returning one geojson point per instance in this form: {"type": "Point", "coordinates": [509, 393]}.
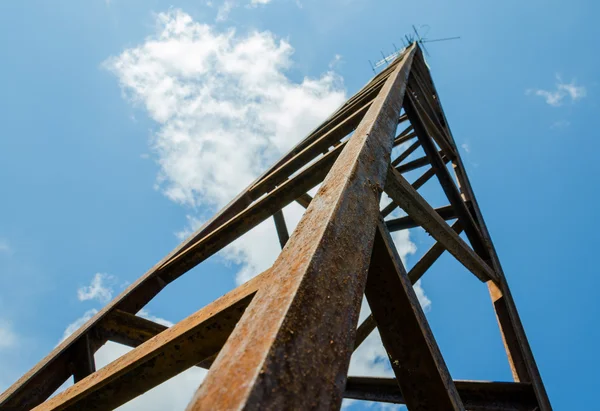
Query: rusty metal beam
{"type": "Point", "coordinates": [418, 183]}
{"type": "Point", "coordinates": [414, 275]}
{"type": "Point", "coordinates": [83, 363]}
{"type": "Point", "coordinates": [475, 395]}
{"type": "Point", "coordinates": [174, 350]}
{"type": "Point", "coordinates": [414, 205]}
{"type": "Point", "coordinates": [416, 360]}
{"type": "Point", "coordinates": [404, 155]}
{"type": "Point", "coordinates": [406, 222]}
{"type": "Point", "coordinates": [516, 360]}
{"type": "Point", "coordinates": [313, 150]}
{"type": "Point", "coordinates": [404, 132]}
{"type": "Point", "coordinates": [403, 138]}
{"type": "Point", "coordinates": [132, 331]}
{"type": "Point", "coordinates": [425, 177]}
{"type": "Point", "coordinates": [323, 267]}
{"type": "Point", "coordinates": [416, 163]}
{"type": "Point", "coordinates": [413, 165]}
{"type": "Point", "coordinates": [281, 228]}
{"type": "Point", "coordinates": [127, 329]}
{"type": "Point", "coordinates": [304, 200]}
{"type": "Point", "coordinates": [430, 257]}
{"type": "Point", "coordinates": [364, 330]}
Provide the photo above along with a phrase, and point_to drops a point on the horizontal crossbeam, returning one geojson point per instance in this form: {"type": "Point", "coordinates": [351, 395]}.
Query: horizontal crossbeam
{"type": "Point", "coordinates": [414, 164]}
{"type": "Point", "coordinates": [475, 395]}
{"type": "Point", "coordinates": [406, 222]}
{"type": "Point", "coordinates": [127, 329]}
{"type": "Point", "coordinates": [404, 155]}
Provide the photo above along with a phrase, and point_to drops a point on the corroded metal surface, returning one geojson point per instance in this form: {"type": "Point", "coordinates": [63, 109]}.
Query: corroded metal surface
{"type": "Point", "coordinates": [416, 360]}
{"type": "Point", "coordinates": [304, 323]}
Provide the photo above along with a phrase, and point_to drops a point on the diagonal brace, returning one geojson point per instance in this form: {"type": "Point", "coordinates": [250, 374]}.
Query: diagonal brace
{"type": "Point", "coordinates": [416, 207]}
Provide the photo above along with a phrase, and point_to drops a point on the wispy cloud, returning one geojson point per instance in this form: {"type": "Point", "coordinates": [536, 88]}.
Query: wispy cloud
{"type": "Point", "coordinates": [5, 247]}
{"type": "Point", "coordinates": [560, 124]}
{"type": "Point", "coordinates": [562, 93]}
{"type": "Point", "coordinates": [224, 10]}
{"type": "Point", "coordinates": [224, 7]}
{"type": "Point", "coordinates": [100, 289]}
{"type": "Point", "coordinates": [146, 314]}
{"type": "Point", "coordinates": [75, 325]}
{"type": "Point", "coordinates": [335, 61]}
{"type": "Point", "coordinates": [8, 338]}
{"type": "Point", "coordinates": [466, 147]}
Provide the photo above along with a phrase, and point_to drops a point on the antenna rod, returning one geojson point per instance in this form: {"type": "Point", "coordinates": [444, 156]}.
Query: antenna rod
{"type": "Point", "coordinates": [417, 33]}
{"type": "Point", "coordinates": [445, 39]}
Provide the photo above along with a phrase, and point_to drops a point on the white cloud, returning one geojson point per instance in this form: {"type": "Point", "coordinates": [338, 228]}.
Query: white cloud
{"type": "Point", "coordinates": [226, 110]}
{"type": "Point", "coordinates": [423, 299]}
{"type": "Point", "coordinates": [75, 325]}
{"type": "Point", "coordinates": [335, 62]}
{"type": "Point", "coordinates": [100, 289]}
{"type": "Point", "coordinates": [466, 147]}
{"type": "Point", "coordinates": [403, 243]}
{"type": "Point", "coordinates": [8, 338]}
{"type": "Point", "coordinates": [563, 91]}
{"type": "Point", "coordinates": [145, 314]}
{"type": "Point", "coordinates": [224, 10]}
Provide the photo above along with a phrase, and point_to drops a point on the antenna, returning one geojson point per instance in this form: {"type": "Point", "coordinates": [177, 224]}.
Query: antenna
{"type": "Point", "coordinates": [372, 67]}
{"type": "Point", "coordinates": [407, 41]}
{"type": "Point", "coordinates": [420, 40]}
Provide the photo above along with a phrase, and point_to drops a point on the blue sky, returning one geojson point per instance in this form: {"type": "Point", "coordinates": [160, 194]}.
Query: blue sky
{"type": "Point", "coordinates": [104, 165]}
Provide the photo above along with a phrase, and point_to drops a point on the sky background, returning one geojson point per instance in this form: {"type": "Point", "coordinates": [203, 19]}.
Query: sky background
{"type": "Point", "coordinates": [127, 123]}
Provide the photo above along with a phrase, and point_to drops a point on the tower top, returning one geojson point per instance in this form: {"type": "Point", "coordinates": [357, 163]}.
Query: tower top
{"type": "Point", "coordinates": [413, 37]}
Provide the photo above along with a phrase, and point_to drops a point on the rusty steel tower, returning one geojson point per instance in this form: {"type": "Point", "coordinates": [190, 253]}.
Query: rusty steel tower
{"type": "Point", "coordinates": [284, 339]}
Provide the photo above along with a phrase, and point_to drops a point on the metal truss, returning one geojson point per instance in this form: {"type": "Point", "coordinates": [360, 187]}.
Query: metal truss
{"type": "Point", "coordinates": [284, 339]}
